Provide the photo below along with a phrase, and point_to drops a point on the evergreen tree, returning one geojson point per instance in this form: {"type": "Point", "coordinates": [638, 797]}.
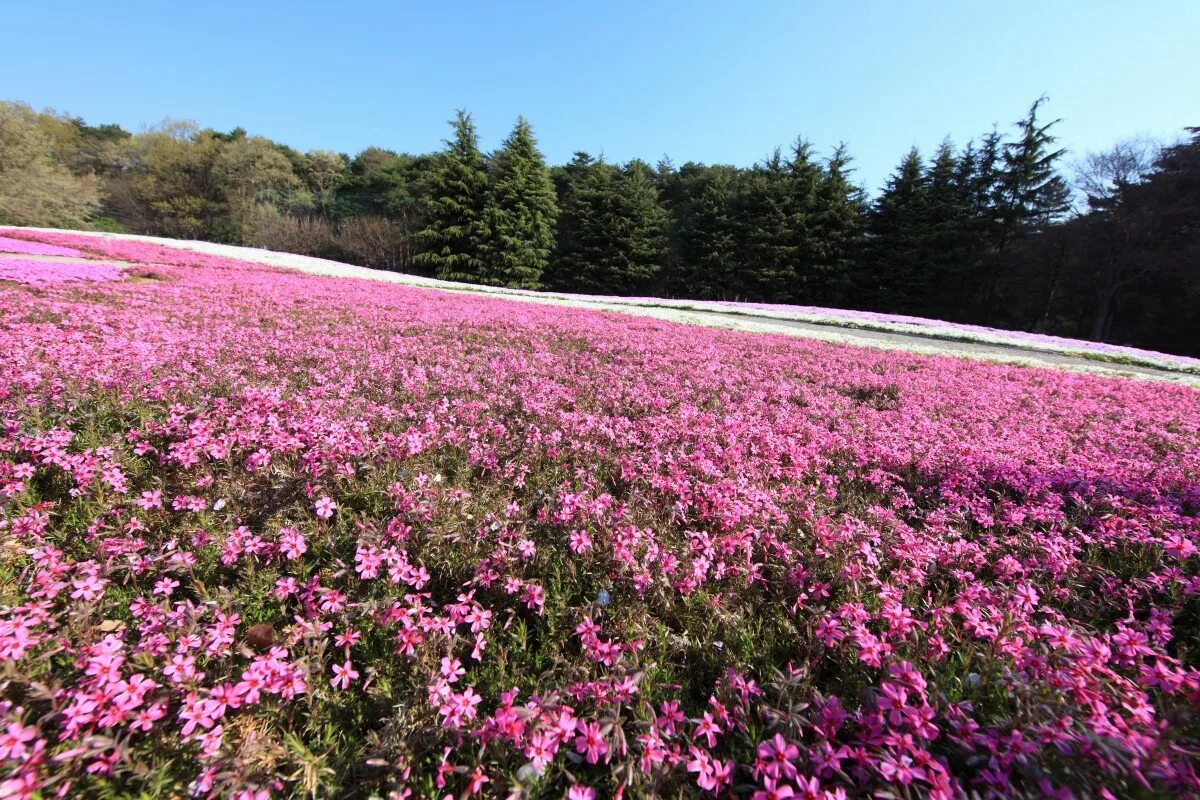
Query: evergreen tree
{"type": "Point", "coordinates": [839, 224]}
{"type": "Point", "coordinates": [894, 277]}
{"type": "Point", "coordinates": [811, 274]}
{"type": "Point", "coordinates": [1031, 192]}
{"type": "Point", "coordinates": [703, 238]}
{"type": "Point", "coordinates": [455, 234]}
{"type": "Point", "coordinates": [1030, 195]}
{"type": "Point", "coordinates": [520, 213]}
{"type": "Point", "coordinates": [610, 228]}
{"type": "Point", "coordinates": [638, 229]}
{"type": "Point", "coordinates": [763, 266]}
{"type": "Point", "coordinates": [582, 188]}
{"type": "Point", "coordinates": [947, 232]}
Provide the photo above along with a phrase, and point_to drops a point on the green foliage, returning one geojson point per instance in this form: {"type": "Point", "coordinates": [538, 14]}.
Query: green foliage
{"type": "Point", "coordinates": [453, 240]}
{"type": "Point", "coordinates": [894, 276]}
{"type": "Point", "coordinates": [256, 180]}
{"type": "Point", "coordinates": [107, 225]}
{"type": "Point", "coordinates": [610, 228]}
{"type": "Point", "coordinates": [839, 221]}
{"type": "Point", "coordinates": [519, 213]}
{"type": "Point", "coordinates": [1032, 192]}
{"type": "Point", "coordinates": [36, 185]}
{"type": "Point", "coordinates": [702, 232]}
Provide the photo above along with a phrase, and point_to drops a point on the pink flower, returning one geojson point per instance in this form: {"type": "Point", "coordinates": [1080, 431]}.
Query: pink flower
{"type": "Point", "coordinates": [292, 543]}
{"type": "Point", "coordinates": [251, 794]}
{"type": "Point", "coordinates": [284, 588]}
{"type": "Point", "coordinates": [14, 741]}
{"type": "Point", "coordinates": [773, 791]}
{"type": "Point", "coordinates": [165, 587]}
{"type": "Point", "coordinates": [708, 729]}
{"type": "Point", "coordinates": [343, 675]}
{"type": "Point", "coordinates": [541, 751]}
{"type": "Point", "coordinates": [590, 742]}
{"type": "Point", "coordinates": [451, 669]}
{"type": "Point", "coordinates": [777, 758]}
{"type": "Point", "coordinates": [900, 769]}
{"type": "Point", "coordinates": [348, 638]}
{"type": "Point", "coordinates": [670, 716]}
{"type": "Point", "coordinates": [325, 507]}
{"type": "Point", "coordinates": [88, 588]}
{"type": "Point", "coordinates": [150, 499]}
{"type": "Point", "coordinates": [580, 542]}
{"type": "Point", "coordinates": [459, 708]}
{"type": "Point", "coordinates": [1179, 546]}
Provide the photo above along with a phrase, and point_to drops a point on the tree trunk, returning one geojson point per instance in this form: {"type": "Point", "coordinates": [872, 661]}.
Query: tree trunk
{"type": "Point", "coordinates": [1104, 307]}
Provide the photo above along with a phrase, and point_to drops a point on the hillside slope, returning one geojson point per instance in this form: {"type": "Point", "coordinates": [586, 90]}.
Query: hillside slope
{"type": "Point", "coordinates": [912, 334]}
{"type": "Point", "coordinates": [269, 534]}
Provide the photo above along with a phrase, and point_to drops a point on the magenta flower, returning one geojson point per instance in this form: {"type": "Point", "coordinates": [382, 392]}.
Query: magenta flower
{"type": "Point", "coordinates": [343, 675]}
{"type": "Point", "coordinates": [556, 499]}
{"type": "Point", "coordinates": [14, 741]}
{"type": "Point", "coordinates": [590, 743]}
{"type": "Point", "coordinates": [325, 507]}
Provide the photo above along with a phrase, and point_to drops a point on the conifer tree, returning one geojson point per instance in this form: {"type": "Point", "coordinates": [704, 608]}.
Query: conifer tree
{"type": "Point", "coordinates": [839, 220]}
{"type": "Point", "coordinates": [455, 233]}
{"type": "Point", "coordinates": [638, 229]}
{"type": "Point", "coordinates": [763, 267]}
{"type": "Point", "coordinates": [520, 213]}
{"type": "Point", "coordinates": [1032, 193]}
{"type": "Point", "coordinates": [703, 238]}
{"type": "Point", "coordinates": [946, 233]}
{"type": "Point", "coordinates": [893, 278]}
{"type": "Point", "coordinates": [582, 188]}
{"type": "Point", "coordinates": [804, 230]}
{"type": "Point", "coordinates": [610, 228]}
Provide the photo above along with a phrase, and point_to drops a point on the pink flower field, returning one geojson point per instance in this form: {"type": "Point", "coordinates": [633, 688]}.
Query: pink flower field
{"type": "Point", "coordinates": [27, 270]}
{"type": "Point", "coordinates": [269, 535]}
{"type": "Point", "coordinates": [33, 248]}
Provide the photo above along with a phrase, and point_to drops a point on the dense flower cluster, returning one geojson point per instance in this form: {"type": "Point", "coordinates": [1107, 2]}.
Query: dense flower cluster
{"type": "Point", "coordinates": [34, 248]}
{"type": "Point", "coordinates": [30, 271]}
{"type": "Point", "coordinates": [267, 534]}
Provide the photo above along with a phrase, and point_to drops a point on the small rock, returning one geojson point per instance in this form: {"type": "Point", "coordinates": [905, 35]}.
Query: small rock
{"type": "Point", "coordinates": [261, 636]}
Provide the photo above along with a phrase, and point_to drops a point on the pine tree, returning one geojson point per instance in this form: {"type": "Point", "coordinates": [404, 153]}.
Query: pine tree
{"type": "Point", "coordinates": [805, 176]}
{"type": "Point", "coordinates": [894, 278]}
{"type": "Point", "coordinates": [610, 228]}
{"type": "Point", "coordinates": [520, 213]}
{"type": "Point", "coordinates": [638, 230]}
{"type": "Point", "coordinates": [582, 188]}
{"type": "Point", "coordinates": [947, 232]}
{"type": "Point", "coordinates": [702, 239]}
{"type": "Point", "coordinates": [1032, 193]}
{"type": "Point", "coordinates": [981, 187]}
{"type": "Point", "coordinates": [838, 222]}
{"type": "Point", "coordinates": [763, 266]}
{"type": "Point", "coordinates": [455, 233]}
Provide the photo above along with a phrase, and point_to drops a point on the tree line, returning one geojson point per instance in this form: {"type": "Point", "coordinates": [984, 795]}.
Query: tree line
{"type": "Point", "coordinates": [999, 231]}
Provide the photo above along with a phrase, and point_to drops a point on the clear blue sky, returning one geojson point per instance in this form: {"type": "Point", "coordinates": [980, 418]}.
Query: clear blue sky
{"type": "Point", "coordinates": [704, 81]}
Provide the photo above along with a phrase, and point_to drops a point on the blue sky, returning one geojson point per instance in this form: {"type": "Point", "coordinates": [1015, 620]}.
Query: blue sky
{"type": "Point", "coordinates": [704, 81]}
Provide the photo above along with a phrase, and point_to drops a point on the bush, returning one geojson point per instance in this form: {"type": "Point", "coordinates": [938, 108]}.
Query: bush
{"type": "Point", "coordinates": [375, 242]}
{"type": "Point", "coordinates": [309, 236]}
{"type": "Point", "coordinates": [107, 225]}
